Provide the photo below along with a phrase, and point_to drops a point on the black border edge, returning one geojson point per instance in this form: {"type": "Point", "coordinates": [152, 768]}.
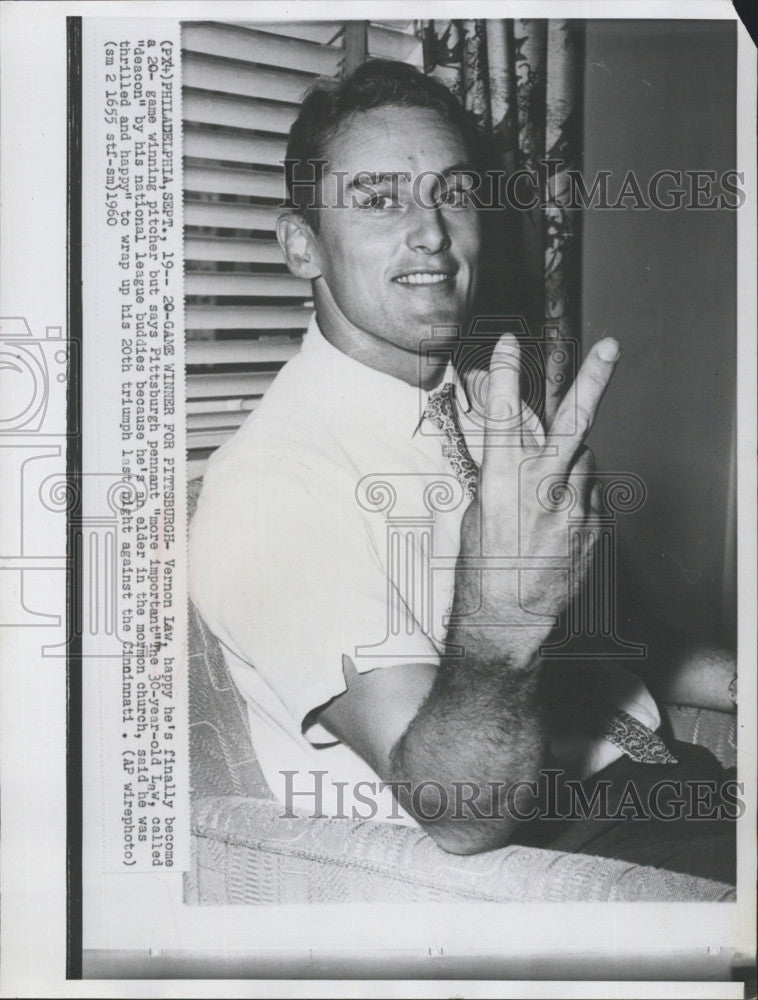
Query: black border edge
{"type": "Point", "coordinates": [73, 478]}
{"type": "Point", "coordinates": [746, 12]}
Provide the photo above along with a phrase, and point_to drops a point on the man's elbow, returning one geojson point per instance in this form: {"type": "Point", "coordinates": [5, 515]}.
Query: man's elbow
{"type": "Point", "coordinates": [471, 836]}
{"type": "Point", "coordinates": [463, 823]}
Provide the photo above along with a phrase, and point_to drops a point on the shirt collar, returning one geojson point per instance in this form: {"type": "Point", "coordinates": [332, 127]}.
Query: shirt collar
{"type": "Point", "coordinates": [369, 390]}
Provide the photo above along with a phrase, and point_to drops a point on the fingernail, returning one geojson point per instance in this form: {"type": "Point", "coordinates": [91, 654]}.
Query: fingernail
{"type": "Point", "coordinates": [608, 349]}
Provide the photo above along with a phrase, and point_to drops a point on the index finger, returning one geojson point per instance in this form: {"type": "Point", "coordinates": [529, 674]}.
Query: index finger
{"type": "Point", "coordinates": [579, 407]}
{"type": "Point", "coordinates": [503, 412]}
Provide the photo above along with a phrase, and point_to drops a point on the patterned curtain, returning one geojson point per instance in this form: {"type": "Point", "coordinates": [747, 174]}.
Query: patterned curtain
{"type": "Point", "coordinates": [522, 81]}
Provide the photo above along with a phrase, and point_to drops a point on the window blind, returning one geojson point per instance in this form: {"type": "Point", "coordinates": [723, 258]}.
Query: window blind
{"type": "Point", "coordinates": [245, 314]}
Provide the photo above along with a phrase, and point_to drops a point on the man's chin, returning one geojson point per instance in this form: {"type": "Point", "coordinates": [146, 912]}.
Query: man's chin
{"type": "Point", "coordinates": [443, 324]}
{"type": "Point", "coordinates": [428, 307]}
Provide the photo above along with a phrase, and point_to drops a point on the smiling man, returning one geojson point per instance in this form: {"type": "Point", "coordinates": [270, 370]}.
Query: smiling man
{"type": "Point", "coordinates": [384, 276]}
{"type": "Point", "coordinates": [410, 695]}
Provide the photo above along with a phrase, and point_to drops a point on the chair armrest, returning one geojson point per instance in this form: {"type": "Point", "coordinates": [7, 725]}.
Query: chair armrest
{"type": "Point", "coordinates": [714, 730]}
{"type": "Point", "coordinates": [243, 851]}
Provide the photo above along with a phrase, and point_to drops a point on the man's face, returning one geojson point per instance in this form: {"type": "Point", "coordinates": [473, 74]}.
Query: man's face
{"type": "Point", "coordinates": [401, 257]}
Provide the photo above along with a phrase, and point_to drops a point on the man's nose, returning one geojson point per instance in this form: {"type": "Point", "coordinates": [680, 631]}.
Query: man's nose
{"type": "Point", "coordinates": [426, 230]}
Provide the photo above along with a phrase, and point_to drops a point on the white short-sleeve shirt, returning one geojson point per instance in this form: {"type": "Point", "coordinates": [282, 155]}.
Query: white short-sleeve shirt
{"type": "Point", "coordinates": [329, 525]}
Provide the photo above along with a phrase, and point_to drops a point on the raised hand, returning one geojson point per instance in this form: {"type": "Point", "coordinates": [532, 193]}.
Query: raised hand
{"type": "Point", "coordinates": [519, 511]}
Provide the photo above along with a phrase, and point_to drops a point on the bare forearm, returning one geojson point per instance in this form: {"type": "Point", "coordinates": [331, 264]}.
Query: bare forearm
{"type": "Point", "coordinates": [478, 733]}
{"type": "Point", "coordinates": [702, 677]}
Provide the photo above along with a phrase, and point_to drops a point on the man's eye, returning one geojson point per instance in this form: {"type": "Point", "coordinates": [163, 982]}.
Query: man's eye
{"type": "Point", "coordinates": [455, 197]}
{"type": "Point", "coordinates": [380, 202]}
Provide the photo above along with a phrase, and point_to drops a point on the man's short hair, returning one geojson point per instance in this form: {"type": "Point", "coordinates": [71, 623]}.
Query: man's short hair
{"type": "Point", "coordinates": [330, 105]}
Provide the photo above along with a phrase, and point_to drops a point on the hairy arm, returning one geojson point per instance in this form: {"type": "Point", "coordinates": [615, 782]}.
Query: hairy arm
{"type": "Point", "coordinates": [700, 676]}
{"type": "Point", "coordinates": [478, 733]}
{"type": "Point", "coordinates": [456, 739]}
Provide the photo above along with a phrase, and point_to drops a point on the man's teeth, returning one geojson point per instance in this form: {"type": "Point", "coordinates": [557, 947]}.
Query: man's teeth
{"type": "Point", "coordinates": [424, 278]}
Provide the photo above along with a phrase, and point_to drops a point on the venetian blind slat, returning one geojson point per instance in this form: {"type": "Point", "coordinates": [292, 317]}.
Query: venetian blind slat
{"type": "Point", "coordinates": [207, 438]}
{"type": "Point", "coordinates": [234, 147]}
{"type": "Point", "coordinates": [209, 108]}
{"type": "Point", "coordinates": [269, 285]}
{"type": "Point", "coordinates": [232, 249]}
{"type": "Point", "coordinates": [251, 45]}
{"type": "Point", "coordinates": [214, 179]}
{"type": "Point", "coordinates": [216, 420]}
{"type": "Point", "coordinates": [229, 404]}
{"type": "Point", "coordinates": [245, 80]}
{"type": "Point", "coordinates": [236, 317]}
{"type": "Point", "coordinates": [228, 384]}
{"type": "Point", "coordinates": [227, 352]}
{"type": "Point", "coordinates": [323, 32]}
{"type": "Point", "coordinates": [229, 215]}
{"type": "Point", "coordinates": [395, 43]}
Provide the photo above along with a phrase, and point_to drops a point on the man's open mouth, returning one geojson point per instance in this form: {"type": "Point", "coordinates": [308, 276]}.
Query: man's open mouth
{"type": "Point", "coordinates": [423, 278]}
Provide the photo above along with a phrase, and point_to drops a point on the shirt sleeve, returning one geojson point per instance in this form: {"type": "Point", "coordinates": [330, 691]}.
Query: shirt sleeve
{"type": "Point", "coordinates": [288, 574]}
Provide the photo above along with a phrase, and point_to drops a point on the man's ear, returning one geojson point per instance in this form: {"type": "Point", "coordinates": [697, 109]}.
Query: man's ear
{"type": "Point", "coordinates": [297, 242]}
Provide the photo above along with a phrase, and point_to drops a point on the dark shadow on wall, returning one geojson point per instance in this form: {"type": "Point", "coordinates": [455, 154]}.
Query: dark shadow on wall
{"type": "Point", "coordinates": [661, 96]}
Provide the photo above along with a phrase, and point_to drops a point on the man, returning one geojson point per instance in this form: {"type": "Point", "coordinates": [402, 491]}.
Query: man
{"type": "Point", "coordinates": [352, 675]}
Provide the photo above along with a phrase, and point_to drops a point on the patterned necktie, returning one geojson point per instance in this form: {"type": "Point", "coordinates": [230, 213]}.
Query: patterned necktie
{"type": "Point", "coordinates": [623, 730]}
{"type": "Point", "coordinates": [441, 411]}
